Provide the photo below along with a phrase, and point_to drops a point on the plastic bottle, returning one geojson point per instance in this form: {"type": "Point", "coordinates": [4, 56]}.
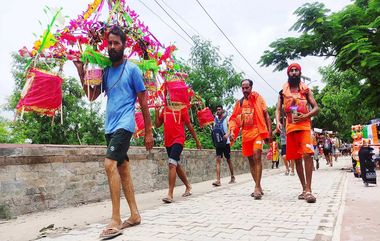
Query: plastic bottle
{"type": "Point", "coordinates": [294, 111]}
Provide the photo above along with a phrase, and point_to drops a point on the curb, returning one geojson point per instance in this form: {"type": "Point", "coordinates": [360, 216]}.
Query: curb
{"type": "Point", "coordinates": [338, 225]}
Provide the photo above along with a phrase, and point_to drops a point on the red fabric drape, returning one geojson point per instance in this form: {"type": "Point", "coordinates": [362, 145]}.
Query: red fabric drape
{"type": "Point", "coordinates": [178, 92]}
{"type": "Point", "coordinates": [140, 125]}
{"type": "Point", "coordinates": [42, 93]}
{"type": "Point", "coordinates": [205, 117]}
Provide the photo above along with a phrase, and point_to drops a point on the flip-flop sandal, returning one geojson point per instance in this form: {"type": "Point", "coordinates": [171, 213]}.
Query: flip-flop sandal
{"type": "Point", "coordinates": [256, 195]}
{"type": "Point", "coordinates": [114, 232]}
{"type": "Point", "coordinates": [186, 194]}
{"type": "Point", "coordinates": [310, 198]}
{"type": "Point", "coordinates": [128, 224]}
{"type": "Point", "coordinates": [301, 196]}
{"type": "Point", "coordinates": [167, 200]}
{"type": "Point", "coordinates": [216, 184]}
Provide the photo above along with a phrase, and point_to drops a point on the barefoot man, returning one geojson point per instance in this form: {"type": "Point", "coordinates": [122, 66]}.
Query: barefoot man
{"type": "Point", "coordinates": [174, 138]}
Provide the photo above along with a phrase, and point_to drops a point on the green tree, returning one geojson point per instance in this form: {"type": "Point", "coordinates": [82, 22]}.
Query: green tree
{"type": "Point", "coordinates": [215, 80]}
{"type": "Point", "coordinates": [340, 102]}
{"type": "Point", "coordinates": [351, 36]}
{"type": "Point", "coordinates": [211, 76]}
{"type": "Point", "coordinates": [9, 136]}
{"type": "Point", "coordinates": [82, 123]}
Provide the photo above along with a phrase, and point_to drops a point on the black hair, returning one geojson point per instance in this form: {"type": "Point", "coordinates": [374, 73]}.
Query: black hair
{"type": "Point", "coordinates": [250, 82]}
{"type": "Point", "coordinates": [219, 106]}
{"type": "Point", "coordinates": [117, 30]}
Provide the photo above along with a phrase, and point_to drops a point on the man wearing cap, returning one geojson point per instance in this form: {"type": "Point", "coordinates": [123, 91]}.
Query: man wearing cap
{"type": "Point", "coordinates": [250, 114]}
{"type": "Point", "coordinates": [295, 97]}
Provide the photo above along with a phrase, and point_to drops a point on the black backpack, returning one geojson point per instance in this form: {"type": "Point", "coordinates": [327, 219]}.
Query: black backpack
{"type": "Point", "coordinates": [217, 133]}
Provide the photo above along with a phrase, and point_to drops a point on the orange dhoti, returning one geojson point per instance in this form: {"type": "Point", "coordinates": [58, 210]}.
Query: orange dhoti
{"type": "Point", "coordinates": [298, 143]}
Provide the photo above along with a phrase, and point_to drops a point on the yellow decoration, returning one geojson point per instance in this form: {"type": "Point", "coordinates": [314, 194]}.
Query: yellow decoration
{"type": "Point", "coordinates": [37, 44]}
{"type": "Point", "coordinates": [91, 8]}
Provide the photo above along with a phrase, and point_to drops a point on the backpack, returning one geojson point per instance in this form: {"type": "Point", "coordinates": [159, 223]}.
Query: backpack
{"type": "Point", "coordinates": [327, 145]}
{"type": "Point", "coordinates": [217, 133]}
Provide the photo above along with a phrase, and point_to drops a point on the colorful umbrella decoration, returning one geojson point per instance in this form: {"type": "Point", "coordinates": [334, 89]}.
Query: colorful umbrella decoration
{"type": "Point", "coordinates": [85, 39]}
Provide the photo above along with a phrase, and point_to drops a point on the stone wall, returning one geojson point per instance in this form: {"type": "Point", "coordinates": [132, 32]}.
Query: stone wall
{"type": "Point", "coordinates": [39, 177]}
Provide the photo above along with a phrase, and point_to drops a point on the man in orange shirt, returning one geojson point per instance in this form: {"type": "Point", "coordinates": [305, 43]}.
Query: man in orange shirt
{"type": "Point", "coordinates": [250, 114]}
{"type": "Point", "coordinates": [295, 97]}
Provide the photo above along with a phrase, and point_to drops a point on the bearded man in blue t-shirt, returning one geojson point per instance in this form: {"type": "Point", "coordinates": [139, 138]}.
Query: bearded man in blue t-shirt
{"type": "Point", "coordinates": [122, 84]}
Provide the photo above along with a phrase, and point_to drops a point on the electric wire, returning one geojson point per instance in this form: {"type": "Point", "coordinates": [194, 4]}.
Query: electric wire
{"type": "Point", "coordinates": [179, 16]}
{"type": "Point", "coordinates": [158, 16]}
{"type": "Point", "coordinates": [174, 20]}
{"type": "Point", "coordinates": [233, 45]}
{"type": "Point", "coordinates": [189, 25]}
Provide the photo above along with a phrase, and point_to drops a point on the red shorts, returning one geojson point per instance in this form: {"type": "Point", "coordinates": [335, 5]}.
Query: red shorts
{"type": "Point", "coordinates": [248, 147]}
{"type": "Point", "coordinates": [298, 143]}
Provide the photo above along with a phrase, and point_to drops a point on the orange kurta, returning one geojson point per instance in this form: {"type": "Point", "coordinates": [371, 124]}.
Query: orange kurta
{"type": "Point", "coordinates": [248, 117]}
{"type": "Point", "coordinates": [299, 100]}
{"type": "Point", "coordinates": [298, 135]}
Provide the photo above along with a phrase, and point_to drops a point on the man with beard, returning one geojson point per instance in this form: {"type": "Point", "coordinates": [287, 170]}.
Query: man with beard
{"type": "Point", "coordinates": [295, 97]}
{"type": "Point", "coordinates": [250, 114]}
{"type": "Point", "coordinates": [122, 83]}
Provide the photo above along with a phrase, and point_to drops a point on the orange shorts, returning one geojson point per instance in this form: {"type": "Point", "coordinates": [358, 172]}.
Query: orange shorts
{"type": "Point", "coordinates": [248, 147]}
{"type": "Point", "coordinates": [298, 143]}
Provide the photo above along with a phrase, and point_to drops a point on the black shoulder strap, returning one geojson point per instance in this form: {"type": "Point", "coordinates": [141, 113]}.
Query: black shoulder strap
{"type": "Point", "coordinates": [241, 102]}
{"type": "Point", "coordinates": [281, 93]}
{"type": "Point", "coordinates": [105, 77]}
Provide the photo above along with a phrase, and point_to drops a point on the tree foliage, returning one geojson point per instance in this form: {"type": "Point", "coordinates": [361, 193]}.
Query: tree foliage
{"type": "Point", "coordinates": [351, 36]}
{"type": "Point", "coordinates": [341, 102]}
{"type": "Point", "coordinates": [82, 123]}
{"type": "Point", "coordinates": [214, 78]}
{"type": "Point", "coordinates": [7, 135]}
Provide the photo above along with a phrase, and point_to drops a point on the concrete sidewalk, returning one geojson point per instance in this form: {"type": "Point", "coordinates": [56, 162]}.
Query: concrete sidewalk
{"type": "Point", "coordinates": [226, 213]}
{"type": "Point", "coordinates": [361, 212]}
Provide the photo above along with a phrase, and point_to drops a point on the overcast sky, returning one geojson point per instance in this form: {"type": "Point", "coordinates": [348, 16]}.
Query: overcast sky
{"type": "Point", "coordinates": [250, 24]}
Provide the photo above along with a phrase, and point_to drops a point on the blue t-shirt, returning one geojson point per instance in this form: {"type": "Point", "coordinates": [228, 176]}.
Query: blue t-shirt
{"type": "Point", "coordinates": [121, 85]}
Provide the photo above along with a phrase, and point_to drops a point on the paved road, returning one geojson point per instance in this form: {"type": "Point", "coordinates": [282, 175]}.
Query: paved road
{"type": "Point", "coordinates": [231, 214]}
